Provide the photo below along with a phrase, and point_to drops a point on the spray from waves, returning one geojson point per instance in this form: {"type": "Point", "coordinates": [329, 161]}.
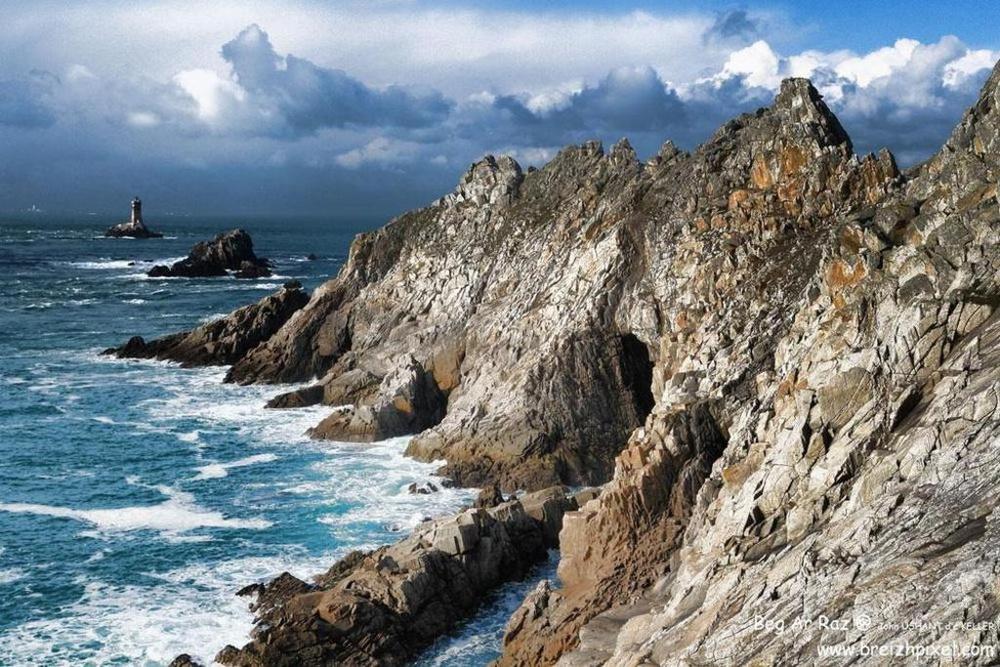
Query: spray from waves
{"type": "Point", "coordinates": [104, 264]}
{"type": "Point", "coordinates": [178, 514]}
{"type": "Point", "coordinates": [220, 470]}
{"type": "Point", "coordinates": [11, 574]}
{"type": "Point", "coordinates": [192, 609]}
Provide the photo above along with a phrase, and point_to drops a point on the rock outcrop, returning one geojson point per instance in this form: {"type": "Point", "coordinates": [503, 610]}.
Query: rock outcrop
{"type": "Point", "coordinates": [230, 251]}
{"type": "Point", "coordinates": [383, 607]}
{"type": "Point", "coordinates": [830, 495]}
{"type": "Point", "coordinates": [222, 341]}
{"type": "Point", "coordinates": [133, 230]}
{"type": "Point", "coordinates": [783, 356]}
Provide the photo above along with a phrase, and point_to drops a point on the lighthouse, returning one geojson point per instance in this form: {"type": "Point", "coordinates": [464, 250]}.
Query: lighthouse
{"type": "Point", "coordinates": [135, 228]}
{"type": "Point", "coordinates": [137, 212]}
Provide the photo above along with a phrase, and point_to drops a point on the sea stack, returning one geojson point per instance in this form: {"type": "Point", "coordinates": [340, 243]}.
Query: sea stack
{"type": "Point", "coordinates": [134, 228]}
{"type": "Point", "coordinates": [230, 251]}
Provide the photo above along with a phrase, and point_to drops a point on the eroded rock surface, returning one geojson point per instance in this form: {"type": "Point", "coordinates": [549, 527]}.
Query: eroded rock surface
{"type": "Point", "coordinates": [383, 607]}
{"type": "Point", "coordinates": [847, 500]}
{"type": "Point", "coordinates": [229, 251]}
{"type": "Point", "coordinates": [222, 341]}
{"type": "Point", "coordinates": [784, 356]}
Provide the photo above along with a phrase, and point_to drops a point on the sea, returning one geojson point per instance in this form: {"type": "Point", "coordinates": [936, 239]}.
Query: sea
{"type": "Point", "coordinates": [137, 497]}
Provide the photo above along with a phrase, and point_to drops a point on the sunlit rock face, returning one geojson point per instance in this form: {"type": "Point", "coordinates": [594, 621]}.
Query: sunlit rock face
{"type": "Point", "coordinates": [826, 479]}
{"type": "Point", "coordinates": [779, 358]}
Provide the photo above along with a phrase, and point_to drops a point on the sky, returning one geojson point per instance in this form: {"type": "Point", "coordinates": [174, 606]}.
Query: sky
{"type": "Point", "coordinates": [370, 108]}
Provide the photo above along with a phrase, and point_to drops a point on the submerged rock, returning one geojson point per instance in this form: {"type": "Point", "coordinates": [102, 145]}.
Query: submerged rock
{"type": "Point", "coordinates": [229, 251]}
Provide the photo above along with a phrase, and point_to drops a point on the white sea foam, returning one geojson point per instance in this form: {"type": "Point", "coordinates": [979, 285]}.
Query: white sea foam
{"type": "Point", "coordinates": [191, 436]}
{"type": "Point", "coordinates": [178, 514]}
{"type": "Point", "coordinates": [104, 264]}
{"type": "Point", "coordinates": [191, 610]}
{"type": "Point", "coordinates": [11, 574]}
{"type": "Point", "coordinates": [220, 470]}
{"type": "Point", "coordinates": [134, 302]}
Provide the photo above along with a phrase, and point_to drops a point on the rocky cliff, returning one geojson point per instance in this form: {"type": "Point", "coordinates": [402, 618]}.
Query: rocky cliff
{"type": "Point", "coordinates": [837, 492]}
{"type": "Point", "coordinates": [782, 355]}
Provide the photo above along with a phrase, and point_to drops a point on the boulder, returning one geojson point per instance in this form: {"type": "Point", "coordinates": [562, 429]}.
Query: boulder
{"type": "Point", "coordinates": [230, 251]}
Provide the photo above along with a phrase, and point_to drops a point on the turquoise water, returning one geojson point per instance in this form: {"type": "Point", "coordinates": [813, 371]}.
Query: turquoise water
{"type": "Point", "coordinates": [135, 496]}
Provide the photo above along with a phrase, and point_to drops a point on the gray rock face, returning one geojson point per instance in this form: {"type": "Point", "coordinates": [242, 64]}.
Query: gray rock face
{"type": "Point", "coordinates": [540, 304]}
{"type": "Point", "coordinates": [782, 355]}
{"type": "Point", "coordinates": [229, 251]}
{"type": "Point", "coordinates": [846, 504]}
{"type": "Point", "coordinates": [222, 341]}
{"type": "Point", "coordinates": [381, 608]}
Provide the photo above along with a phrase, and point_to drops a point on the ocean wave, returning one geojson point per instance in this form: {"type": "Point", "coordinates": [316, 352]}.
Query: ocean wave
{"type": "Point", "coordinates": [178, 514]}
{"type": "Point", "coordinates": [220, 470]}
{"type": "Point", "coordinates": [104, 264]}
{"type": "Point", "coordinates": [11, 574]}
{"type": "Point", "coordinates": [191, 609]}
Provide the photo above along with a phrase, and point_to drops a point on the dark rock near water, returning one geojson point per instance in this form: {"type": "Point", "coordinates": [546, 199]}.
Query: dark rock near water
{"type": "Point", "coordinates": [490, 496]}
{"type": "Point", "coordinates": [229, 251]}
{"type": "Point", "coordinates": [132, 230]}
{"type": "Point", "coordinates": [184, 660]}
{"type": "Point", "coordinates": [424, 489]}
{"type": "Point", "coordinates": [222, 341]}
{"type": "Point", "coordinates": [383, 607]}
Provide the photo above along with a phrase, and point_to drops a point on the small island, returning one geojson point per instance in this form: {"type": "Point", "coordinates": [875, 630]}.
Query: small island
{"type": "Point", "coordinates": [134, 228]}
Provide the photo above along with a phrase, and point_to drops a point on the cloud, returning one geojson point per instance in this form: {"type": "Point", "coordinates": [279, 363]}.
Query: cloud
{"type": "Point", "coordinates": [309, 97]}
{"type": "Point", "coordinates": [735, 24]}
{"type": "Point", "coordinates": [627, 100]}
{"type": "Point", "coordinates": [25, 102]}
{"type": "Point", "coordinates": [271, 120]}
{"type": "Point", "coordinates": [380, 151]}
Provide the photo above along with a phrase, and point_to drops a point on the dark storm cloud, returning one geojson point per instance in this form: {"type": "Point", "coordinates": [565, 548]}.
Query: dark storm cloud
{"type": "Point", "coordinates": [269, 131]}
{"type": "Point", "coordinates": [24, 103]}
{"type": "Point", "coordinates": [626, 101]}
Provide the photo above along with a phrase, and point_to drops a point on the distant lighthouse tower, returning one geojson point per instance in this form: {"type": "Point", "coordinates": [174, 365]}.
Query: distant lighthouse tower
{"type": "Point", "coordinates": [135, 228]}
{"type": "Point", "coordinates": [137, 212]}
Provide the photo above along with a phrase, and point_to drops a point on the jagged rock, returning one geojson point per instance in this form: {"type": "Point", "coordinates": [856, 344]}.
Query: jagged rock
{"type": "Point", "coordinates": [383, 607]}
{"type": "Point", "coordinates": [784, 356]}
{"type": "Point", "coordinates": [298, 398]}
{"type": "Point", "coordinates": [252, 270]}
{"type": "Point", "coordinates": [491, 496]}
{"type": "Point", "coordinates": [408, 400]}
{"type": "Point", "coordinates": [184, 660]}
{"type": "Point", "coordinates": [222, 341]}
{"type": "Point", "coordinates": [424, 489]}
{"type": "Point", "coordinates": [229, 251]}
{"type": "Point", "coordinates": [847, 502]}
